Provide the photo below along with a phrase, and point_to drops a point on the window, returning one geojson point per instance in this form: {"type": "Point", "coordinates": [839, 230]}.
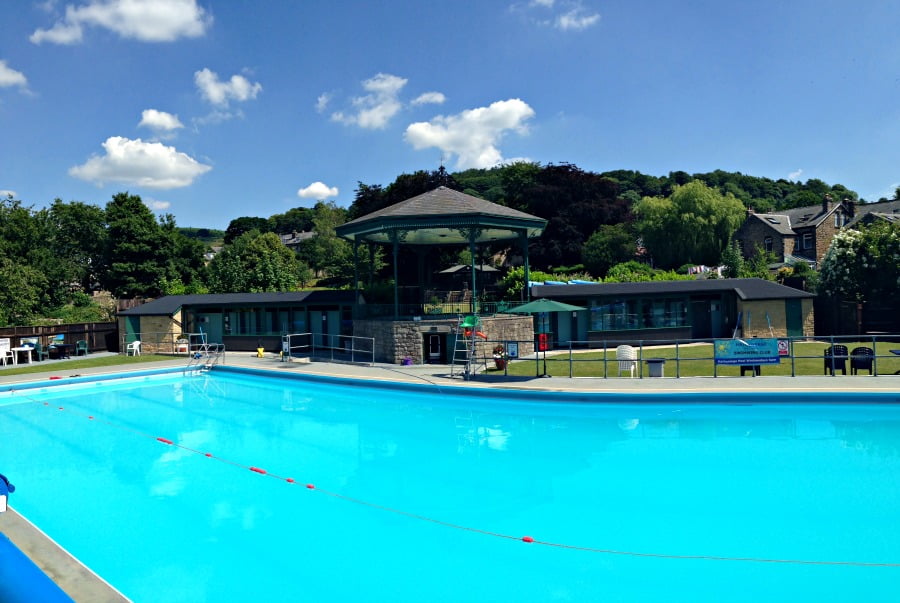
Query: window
{"type": "Point", "coordinates": [767, 244]}
{"type": "Point", "coordinates": [839, 219]}
{"type": "Point", "coordinates": [807, 240]}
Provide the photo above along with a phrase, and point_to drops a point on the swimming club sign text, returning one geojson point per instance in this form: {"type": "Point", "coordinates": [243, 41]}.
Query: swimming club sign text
{"type": "Point", "coordinates": [750, 351]}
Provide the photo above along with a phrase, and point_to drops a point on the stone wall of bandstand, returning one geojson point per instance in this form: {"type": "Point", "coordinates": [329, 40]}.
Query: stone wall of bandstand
{"type": "Point", "coordinates": [399, 339]}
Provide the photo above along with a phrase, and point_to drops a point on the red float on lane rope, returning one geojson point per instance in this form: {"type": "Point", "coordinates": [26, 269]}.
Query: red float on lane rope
{"type": "Point", "coordinates": [527, 539]}
{"type": "Point", "coordinates": [165, 441]}
{"type": "Point", "coordinates": [258, 470]}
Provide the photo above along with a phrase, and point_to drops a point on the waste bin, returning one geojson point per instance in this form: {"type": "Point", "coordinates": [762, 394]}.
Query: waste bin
{"type": "Point", "coordinates": [656, 366]}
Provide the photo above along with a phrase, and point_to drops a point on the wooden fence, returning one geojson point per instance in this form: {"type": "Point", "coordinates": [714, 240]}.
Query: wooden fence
{"type": "Point", "coordinates": [100, 336]}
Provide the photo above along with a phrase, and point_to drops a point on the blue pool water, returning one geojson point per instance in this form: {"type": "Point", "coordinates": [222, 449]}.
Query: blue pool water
{"type": "Point", "coordinates": [664, 476]}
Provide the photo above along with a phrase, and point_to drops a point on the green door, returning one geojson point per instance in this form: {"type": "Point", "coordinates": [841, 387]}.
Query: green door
{"type": "Point", "coordinates": [794, 311]}
{"type": "Point", "coordinates": [132, 328]}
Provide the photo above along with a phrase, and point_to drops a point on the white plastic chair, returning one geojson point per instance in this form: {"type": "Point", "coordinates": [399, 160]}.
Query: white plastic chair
{"type": "Point", "coordinates": [6, 353]}
{"type": "Point", "coordinates": [627, 357]}
{"type": "Point", "coordinates": [133, 349]}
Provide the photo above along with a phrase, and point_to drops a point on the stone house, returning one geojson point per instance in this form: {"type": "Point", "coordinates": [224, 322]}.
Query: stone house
{"type": "Point", "coordinates": [805, 233]}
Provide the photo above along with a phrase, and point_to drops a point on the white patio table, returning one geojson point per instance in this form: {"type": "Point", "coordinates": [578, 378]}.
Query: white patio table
{"type": "Point", "coordinates": [22, 348]}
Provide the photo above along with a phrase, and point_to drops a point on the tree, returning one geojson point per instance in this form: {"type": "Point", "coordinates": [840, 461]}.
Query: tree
{"type": "Point", "coordinates": [136, 252]}
{"type": "Point", "coordinates": [297, 219]}
{"type": "Point", "coordinates": [513, 283]}
{"type": "Point", "coordinates": [185, 265]}
{"type": "Point", "coordinates": [253, 263]}
{"type": "Point", "coordinates": [20, 293]}
{"type": "Point", "coordinates": [863, 264]}
{"type": "Point", "coordinates": [242, 225]}
{"type": "Point", "coordinates": [634, 272]}
{"type": "Point", "coordinates": [732, 261]}
{"type": "Point", "coordinates": [693, 225]}
{"type": "Point", "coordinates": [79, 239]}
{"type": "Point", "coordinates": [610, 245]}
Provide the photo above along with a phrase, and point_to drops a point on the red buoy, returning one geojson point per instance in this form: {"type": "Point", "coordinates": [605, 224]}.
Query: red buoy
{"type": "Point", "coordinates": [290, 480]}
{"type": "Point", "coordinates": [527, 539]}
{"type": "Point", "coordinates": [165, 441]}
{"type": "Point", "coordinates": [310, 486]}
{"type": "Point", "coordinates": [258, 470]}
{"type": "Point", "coordinates": [209, 454]}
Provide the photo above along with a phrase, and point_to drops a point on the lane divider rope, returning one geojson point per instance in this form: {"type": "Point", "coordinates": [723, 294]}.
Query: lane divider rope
{"type": "Point", "coordinates": [526, 539]}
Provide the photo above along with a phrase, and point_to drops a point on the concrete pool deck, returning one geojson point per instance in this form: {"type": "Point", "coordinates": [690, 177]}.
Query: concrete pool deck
{"type": "Point", "coordinates": [81, 584]}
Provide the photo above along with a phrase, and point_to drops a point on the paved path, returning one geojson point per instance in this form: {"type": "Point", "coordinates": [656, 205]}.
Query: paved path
{"type": "Point", "coordinates": [441, 374]}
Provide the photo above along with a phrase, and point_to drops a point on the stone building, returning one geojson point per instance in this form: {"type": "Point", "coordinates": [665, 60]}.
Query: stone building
{"type": "Point", "coordinates": [805, 233]}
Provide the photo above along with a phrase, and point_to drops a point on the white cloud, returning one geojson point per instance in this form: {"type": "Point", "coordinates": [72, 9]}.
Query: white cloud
{"type": "Point", "coordinates": [322, 102]}
{"type": "Point", "coordinates": [160, 121]}
{"type": "Point", "coordinates": [4, 193]}
{"type": "Point", "coordinates": [144, 20]}
{"type": "Point", "coordinates": [318, 191]}
{"type": "Point", "coordinates": [9, 77]}
{"type": "Point", "coordinates": [219, 93]}
{"type": "Point", "coordinates": [374, 110]}
{"type": "Point", "coordinates": [157, 205]}
{"type": "Point", "coordinates": [472, 135]}
{"type": "Point", "coordinates": [795, 175]}
{"type": "Point", "coordinates": [435, 98]}
{"type": "Point", "coordinates": [565, 15]}
{"type": "Point", "coordinates": [576, 19]}
{"type": "Point", "coordinates": [135, 162]}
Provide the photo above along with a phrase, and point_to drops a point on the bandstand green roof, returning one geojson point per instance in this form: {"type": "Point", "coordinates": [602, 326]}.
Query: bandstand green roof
{"type": "Point", "coordinates": [442, 216]}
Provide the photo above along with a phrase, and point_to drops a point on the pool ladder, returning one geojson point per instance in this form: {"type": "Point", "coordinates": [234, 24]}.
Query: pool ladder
{"type": "Point", "coordinates": [204, 356]}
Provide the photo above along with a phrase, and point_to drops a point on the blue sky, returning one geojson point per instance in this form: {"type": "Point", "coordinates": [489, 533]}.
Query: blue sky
{"type": "Point", "coordinates": [215, 109]}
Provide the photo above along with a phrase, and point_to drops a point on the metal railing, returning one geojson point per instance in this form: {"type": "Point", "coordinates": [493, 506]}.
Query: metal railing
{"type": "Point", "coordinates": [429, 310]}
{"type": "Point", "coordinates": [801, 356]}
{"type": "Point", "coordinates": [334, 348]}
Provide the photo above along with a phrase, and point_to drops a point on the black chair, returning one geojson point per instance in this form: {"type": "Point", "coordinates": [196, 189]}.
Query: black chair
{"type": "Point", "coordinates": [836, 359]}
{"type": "Point", "coordinates": [861, 358]}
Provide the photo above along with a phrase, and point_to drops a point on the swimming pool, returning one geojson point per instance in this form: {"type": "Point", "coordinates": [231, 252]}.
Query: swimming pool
{"type": "Point", "coordinates": [426, 493]}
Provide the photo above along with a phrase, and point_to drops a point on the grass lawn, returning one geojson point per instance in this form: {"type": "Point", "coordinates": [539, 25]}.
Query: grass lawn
{"type": "Point", "coordinates": [696, 360]}
{"type": "Point", "coordinates": [71, 366]}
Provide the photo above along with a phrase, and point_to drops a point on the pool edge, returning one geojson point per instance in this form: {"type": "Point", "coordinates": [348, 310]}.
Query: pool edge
{"type": "Point", "coordinates": [73, 577]}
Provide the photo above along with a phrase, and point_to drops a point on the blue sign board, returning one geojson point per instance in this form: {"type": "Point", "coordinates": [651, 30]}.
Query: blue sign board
{"type": "Point", "coordinates": [747, 351]}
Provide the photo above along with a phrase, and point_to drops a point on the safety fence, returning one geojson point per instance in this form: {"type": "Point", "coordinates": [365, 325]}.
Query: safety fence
{"type": "Point", "coordinates": [333, 348]}
{"type": "Point", "coordinates": [875, 355]}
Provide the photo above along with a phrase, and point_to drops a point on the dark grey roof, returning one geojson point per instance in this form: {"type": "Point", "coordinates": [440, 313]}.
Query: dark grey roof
{"type": "Point", "coordinates": [295, 238]}
{"type": "Point", "coordinates": [787, 221]}
{"type": "Point", "coordinates": [467, 268]}
{"type": "Point", "coordinates": [747, 289]}
{"type": "Point", "coordinates": [439, 217]}
{"type": "Point", "coordinates": [169, 305]}
{"type": "Point", "coordinates": [443, 201]}
{"type": "Point", "coordinates": [802, 217]}
{"type": "Point", "coordinates": [779, 223]}
{"type": "Point", "coordinates": [885, 210]}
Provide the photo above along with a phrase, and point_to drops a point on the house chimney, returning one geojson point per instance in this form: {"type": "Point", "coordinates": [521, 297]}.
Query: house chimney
{"type": "Point", "coordinates": [826, 203]}
{"type": "Point", "coordinates": [851, 207]}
